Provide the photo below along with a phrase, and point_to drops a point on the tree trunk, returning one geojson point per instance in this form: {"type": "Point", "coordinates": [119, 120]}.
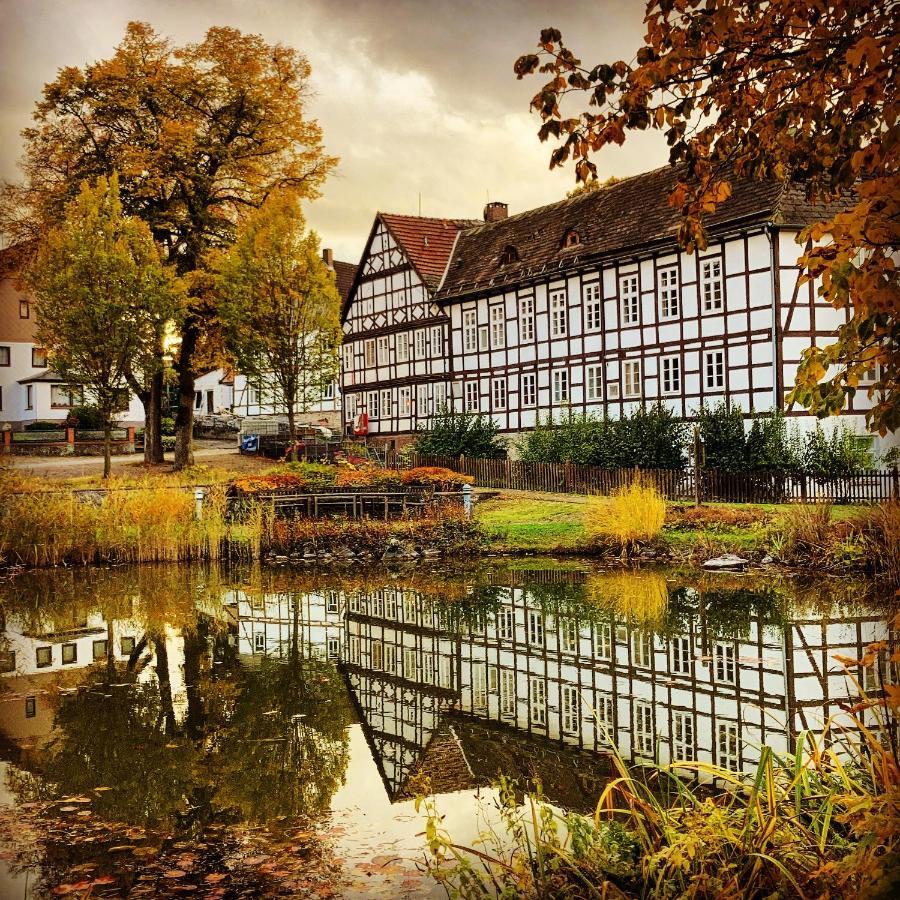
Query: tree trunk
{"type": "Point", "coordinates": [107, 449]}
{"type": "Point", "coordinates": [153, 446]}
{"type": "Point", "coordinates": [292, 433]}
{"type": "Point", "coordinates": [184, 418]}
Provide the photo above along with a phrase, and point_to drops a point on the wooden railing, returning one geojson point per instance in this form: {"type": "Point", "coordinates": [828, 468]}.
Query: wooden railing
{"type": "Point", "coordinates": [674, 484]}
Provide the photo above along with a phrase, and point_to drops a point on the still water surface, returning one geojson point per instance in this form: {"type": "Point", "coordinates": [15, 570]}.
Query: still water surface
{"type": "Point", "coordinates": [168, 730]}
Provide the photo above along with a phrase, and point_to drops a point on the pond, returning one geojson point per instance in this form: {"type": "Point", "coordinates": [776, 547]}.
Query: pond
{"type": "Point", "coordinates": [264, 732]}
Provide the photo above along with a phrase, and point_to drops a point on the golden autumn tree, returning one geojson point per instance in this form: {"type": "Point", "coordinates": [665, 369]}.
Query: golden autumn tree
{"type": "Point", "coordinates": [798, 90]}
{"type": "Point", "coordinates": [280, 307]}
{"type": "Point", "coordinates": [198, 134]}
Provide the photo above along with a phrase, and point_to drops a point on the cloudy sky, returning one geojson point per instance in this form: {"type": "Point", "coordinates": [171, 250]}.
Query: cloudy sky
{"type": "Point", "coordinates": [417, 97]}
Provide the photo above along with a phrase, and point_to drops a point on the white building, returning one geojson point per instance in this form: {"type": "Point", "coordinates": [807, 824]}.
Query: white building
{"type": "Point", "coordinates": [587, 304]}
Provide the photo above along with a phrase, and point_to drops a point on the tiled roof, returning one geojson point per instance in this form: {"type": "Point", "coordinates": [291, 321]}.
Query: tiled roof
{"type": "Point", "coordinates": [628, 215]}
{"type": "Point", "coordinates": [48, 376]}
{"type": "Point", "coordinates": [427, 242]}
{"type": "Point", "coordinates": [345, 273]}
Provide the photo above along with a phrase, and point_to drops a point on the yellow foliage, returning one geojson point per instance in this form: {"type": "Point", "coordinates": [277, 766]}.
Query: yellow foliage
{"type": "Point", "coordinates": [634, 514]}
{"type": "Point", "coordinates": [641, 597]}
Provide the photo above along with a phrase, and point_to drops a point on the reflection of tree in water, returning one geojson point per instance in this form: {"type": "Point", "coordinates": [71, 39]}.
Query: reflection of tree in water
{"type": "Point", "coordinates": [253, 745]}
{"type": "Point", "coordinates": [284, 750]}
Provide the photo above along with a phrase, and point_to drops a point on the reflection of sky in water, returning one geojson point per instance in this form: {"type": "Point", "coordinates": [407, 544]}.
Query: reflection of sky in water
{"type": "Point", "coordinates": [531, 674]}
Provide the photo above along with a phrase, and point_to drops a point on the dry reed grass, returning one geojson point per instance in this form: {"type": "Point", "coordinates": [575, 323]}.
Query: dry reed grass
{"type": "Point", "coordinates": [632, 515]}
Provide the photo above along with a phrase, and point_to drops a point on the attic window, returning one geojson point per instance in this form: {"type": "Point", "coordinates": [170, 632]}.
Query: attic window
{"type": "Point", "coordinates": [571, 239]}
{"type": "Point", "coordinates": [508, 255]}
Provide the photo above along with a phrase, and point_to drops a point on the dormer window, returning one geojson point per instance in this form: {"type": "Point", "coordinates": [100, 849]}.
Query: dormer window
{"type": "Point", "coordinates": [509, 255]}
{"type": "Point", "coordinates": [571, 239]}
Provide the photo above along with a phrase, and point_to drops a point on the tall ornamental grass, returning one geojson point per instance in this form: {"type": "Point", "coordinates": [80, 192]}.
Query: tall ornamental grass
{"type": "Point", "coordinates": [633, 515]}
{"type": "Point", "coordinates": [142, 524]}
{"type": "Point", "coordinates": [822, 821]}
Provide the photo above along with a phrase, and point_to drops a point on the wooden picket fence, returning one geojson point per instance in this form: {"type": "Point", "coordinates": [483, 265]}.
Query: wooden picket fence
{"type": "Point", "coordinates": [674, 484]}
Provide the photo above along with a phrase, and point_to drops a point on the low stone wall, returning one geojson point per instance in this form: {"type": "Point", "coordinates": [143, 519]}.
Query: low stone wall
{"type": "Point", "coordinates": [63, 448]}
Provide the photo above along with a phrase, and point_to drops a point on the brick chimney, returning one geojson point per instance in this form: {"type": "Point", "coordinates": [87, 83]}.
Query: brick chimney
{"type": "Point", "coordinates": [328, 256]}
{"type": "Point", "coordinates": [495, 211]}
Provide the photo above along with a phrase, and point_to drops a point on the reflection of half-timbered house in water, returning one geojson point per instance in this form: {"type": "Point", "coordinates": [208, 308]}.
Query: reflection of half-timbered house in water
{"type": "Point", "coordinates": [587, 304]}
{"type": "Point", "coordinates": [274, 625]}
{"type": "Point", "coordinates": [527, 683]}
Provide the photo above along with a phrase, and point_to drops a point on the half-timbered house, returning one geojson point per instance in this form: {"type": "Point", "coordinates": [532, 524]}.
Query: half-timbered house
{"type": "Point", "coordinates": [396, 365]}
{"type": "Point", "coordinates": [590, 304]}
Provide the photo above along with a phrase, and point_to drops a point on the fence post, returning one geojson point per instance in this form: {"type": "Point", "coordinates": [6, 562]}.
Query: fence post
{"type": "Point", "coordinates": [467, 500]}
{"type": "Point", "coordinates": [7, 441]}
{"type": "Point", "coordinates": [199, 494]}
{"type": "Point", "coordinates": [803, 486]}
{"type": "Point", "coordinates": [895, 481]}
{"type": "Point", "coordinates": [698, 487]}
{"type": "Point", "coordinates": [70, 435]}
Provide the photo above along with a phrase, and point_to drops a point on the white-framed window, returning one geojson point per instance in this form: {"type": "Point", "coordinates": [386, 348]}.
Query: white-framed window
{"type": "Point", "coordinates": [409, 663]}
{"type": "Point", "coordinates": [198, 399]}
{"type": "Point", "coordinates": [349, 403]}
{"type": "Point", "coordinates": [401, 346]}
{"type": "Point", "coordinates": [593, 307]}
{"type": "Point", "coordinates": [383, 350]}
{"type": "Point", "coordinates": [642, 648]}
{"type": "Point", "coordinates": [507, 693]}
{"type": "Point", "coordinates": [561, 386]}
{"type": "Point", "coordinates": [505, 624]}
{"type": "Point", "coordinates": [484, 338]}
{"type": "Point", "coordinates": [671, 374]}
{"type": "Point", "coordinates": [479, 686]}
{"type": "Point", "coordinates": [470, 329]}
{"type": "Point", "coordinates": [682, 736]}
{"type": "Point", "coordinates": [569, 709]}
{"type": "Point", "coordinates": [422, 405]}
{"type": "Point", "coordinates": [372, 405]}
{"type": "Point", "coordinates": [405, 401]}
{"type": "Point", "coordinates": [536, 628]}
{"type": "Point", "coordinates": [631, 370]}
{"type": "Point", "coordinates": [369, 353]}
{"type": "Point", "coordinates": [445, 672]}
{"type": "Point", "coordinates": [682, 655]}
{"type": "Point", "coordinates": [644, 737]}
{"type": "Point", "coordinates": [420, 342]}
{"type": "Point", "coordinates": [630, 298]}
{"type": "Point", "coordinates": [387, 405]}
{"type": "Point", "coordinates": [328, 392]}
{"type": "Point", "coordinates": [347, 353]}
{"type": "Point", "coordinates": [390, 658]}
{"type": "Point", "coordinates": [62, 396]}
{"type": "Point", "coordinates": [724, 662]}
{"type": "Point", "coordinates": [526, 319]}
{"type": "Point", "coordinates": [603, 640]}
{"type": "Point", "coordinates": [714, 367]}
{"type": "Point", "coordinates": [711, 284]}
{"type": "Point", "coordinates": [498, 326]}
{"type": "Point", "coordinates": [334, 648]}
{"type": "Point", "coordinates": [667, 287]}
{"type": "Point", "coordinates": [259, 642]}
{"type": "Point", "coordinates": [332, 602]}
{"type": "Point", "coordinates": [603, 711]}
{"type": "Point", "coordinates": [5, 359]}
{"type": "Point", "coordinates": [498, 387]}
{"type": "Point", "coordinates": [559, 314]}
{"type": "Point", "coordinates": [728, 746]}
{"type": "Point", "coordinates": [377, 655]}
{"type": "Point", "coordinates": [439, 396]}
{"type": "Point", "coordinates": [428, 669]}
{"type": "Point", "coordinates": [471, 396]}
{"type": "Point", "coordinates": [538, 700]}
{"type": "Point", "coordinates": [529, 389]}
{"type": "Point", "coordinates": [437, 341]}
{"type": "Point", "coordinates": [593, 382]}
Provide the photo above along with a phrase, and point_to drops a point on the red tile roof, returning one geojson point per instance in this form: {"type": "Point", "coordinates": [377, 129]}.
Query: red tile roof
{"type": "Point", "coordinates": [427, 242]}
{"type": "Point", "coordinates": [345, 273]}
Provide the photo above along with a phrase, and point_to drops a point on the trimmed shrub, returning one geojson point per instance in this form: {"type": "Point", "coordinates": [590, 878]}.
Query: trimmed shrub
{"type": "Point", "coordinates": [460, 434]}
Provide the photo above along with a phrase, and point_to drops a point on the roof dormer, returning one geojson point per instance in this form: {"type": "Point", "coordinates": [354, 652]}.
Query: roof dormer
{"type": "Point", "coordinates": [509, 255]}
{"type": "Point", "coordinates": [570, 239]}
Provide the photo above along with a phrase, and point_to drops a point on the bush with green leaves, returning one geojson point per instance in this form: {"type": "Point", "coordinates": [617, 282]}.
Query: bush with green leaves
{"type": "Point", "coordinates": [88, 417]}
{"type": "Point", "coordinates": [650, 438]}
{"type": "Point", "coordinates": [841, 453]}
{"type": "Point", "coordinates": [460, 434]}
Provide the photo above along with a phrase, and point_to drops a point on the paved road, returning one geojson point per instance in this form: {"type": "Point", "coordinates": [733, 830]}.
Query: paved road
{"type": "Point", "coordinates": [212, 453]}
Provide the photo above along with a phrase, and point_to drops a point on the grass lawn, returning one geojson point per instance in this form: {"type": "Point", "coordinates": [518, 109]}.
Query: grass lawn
{"type": "Point", "coordinates": [533, 522]}
{"type": "Point", "coordinates": [554, 522]}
